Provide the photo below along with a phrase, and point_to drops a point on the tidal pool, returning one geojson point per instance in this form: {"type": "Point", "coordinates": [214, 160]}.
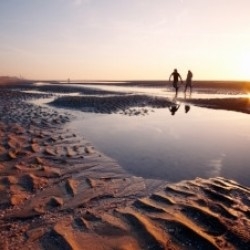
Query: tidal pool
{"type": "Point", "coordinates": [201, 143]}
{"type": "Point", "coordinates": [194, 142]}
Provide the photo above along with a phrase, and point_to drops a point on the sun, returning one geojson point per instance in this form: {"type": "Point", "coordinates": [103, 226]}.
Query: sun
{"type": "Point", "coordinates": [243, 69]}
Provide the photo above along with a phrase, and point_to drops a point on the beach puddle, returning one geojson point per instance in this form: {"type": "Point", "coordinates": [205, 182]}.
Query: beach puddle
{"type": "Point", "coordinates": [162, 141]}
{"type": "Point", "coordinates": [194, 142]}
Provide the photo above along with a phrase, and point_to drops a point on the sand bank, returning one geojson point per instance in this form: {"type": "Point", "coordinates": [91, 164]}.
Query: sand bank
{"type": "Point", "coordinates": [59, 192]}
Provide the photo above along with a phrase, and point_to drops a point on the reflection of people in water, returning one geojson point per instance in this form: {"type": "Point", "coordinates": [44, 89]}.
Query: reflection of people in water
{"type": "Point", "coordinates": [189, 81]}
{"type": "Point", "coordinates": [187, 108]}
{"type": "Point", "coordinates": [173, 108]}
{"type": "Point", "coordinates": [176, 76]}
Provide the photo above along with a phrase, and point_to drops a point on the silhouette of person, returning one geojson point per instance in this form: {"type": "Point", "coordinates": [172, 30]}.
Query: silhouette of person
{"type": "Point", "coordinates": [187, 108]}
{"type": "Point", "coordinates": [189, 81]}
{"type": "Point", "coordinates": [176, 77]}
{"type": "Point", "coordinates": [173, 108]}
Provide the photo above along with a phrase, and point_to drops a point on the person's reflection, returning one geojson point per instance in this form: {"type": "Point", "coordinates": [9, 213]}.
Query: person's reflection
{"type": "Point", "coordinates": [173, 108]}
{"type": "Point", "coordinates": [187, 107]}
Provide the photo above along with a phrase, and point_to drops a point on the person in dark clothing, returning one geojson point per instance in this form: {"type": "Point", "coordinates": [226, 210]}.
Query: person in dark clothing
{"type": "Point", "coordinates": [176, 76]}
{"type": "Point", "coordinates": [189, 81]}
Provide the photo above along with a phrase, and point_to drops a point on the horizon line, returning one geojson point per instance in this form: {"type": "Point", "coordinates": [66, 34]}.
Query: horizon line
{"type": "Point", "coordinates": [70, 80]}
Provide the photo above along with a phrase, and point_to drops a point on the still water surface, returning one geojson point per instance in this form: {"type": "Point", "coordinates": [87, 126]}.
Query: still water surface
{"type": "Point", "coordinates": [201, 143]}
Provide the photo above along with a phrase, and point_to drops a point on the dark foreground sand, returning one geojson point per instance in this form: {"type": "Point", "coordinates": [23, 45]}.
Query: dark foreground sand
{"type": "Point", "coordinates": [58, 192]}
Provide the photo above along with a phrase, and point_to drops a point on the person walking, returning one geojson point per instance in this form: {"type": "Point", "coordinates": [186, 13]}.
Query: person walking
{"type": "Point", "coordinates": [189, 81]}
{"type": "Point", "coordinates": [176, 76]}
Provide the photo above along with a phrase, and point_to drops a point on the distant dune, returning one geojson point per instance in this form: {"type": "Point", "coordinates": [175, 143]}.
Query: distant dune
{"type": "Point", "coordinates": [7, 80]}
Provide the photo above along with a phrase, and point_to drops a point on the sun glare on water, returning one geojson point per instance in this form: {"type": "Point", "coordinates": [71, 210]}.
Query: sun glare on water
{"type": "Point", "coordinates": [248, 96]}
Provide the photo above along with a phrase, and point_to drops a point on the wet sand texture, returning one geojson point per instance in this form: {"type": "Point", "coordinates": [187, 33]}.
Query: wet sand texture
{"type": "Point", "coordinates": [241, 104]}
{"type": "Point", "coordinates": [103, 101]}
{"type": "Point", "coordinates": [58, 192]}
{"type": "Point", "coordinates": [130, 104]}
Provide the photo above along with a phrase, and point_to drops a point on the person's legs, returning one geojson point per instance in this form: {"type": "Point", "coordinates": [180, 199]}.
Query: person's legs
{"type": "Point", "coordinates": [185, 88]}
{"type": "Point", "coordinates": [188, 84]}
{"type": "Point", "coordinates": [176, 87]}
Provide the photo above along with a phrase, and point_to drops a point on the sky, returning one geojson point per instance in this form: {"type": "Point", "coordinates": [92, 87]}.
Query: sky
{"type": "Point", "coordinates": [125, 39]}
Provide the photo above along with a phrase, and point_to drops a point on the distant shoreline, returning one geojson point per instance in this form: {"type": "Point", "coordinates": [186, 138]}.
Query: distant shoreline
{"type": "Point", "coordinates": [243, 86]}
{"type": "Point", "coordinates": [7, 79]}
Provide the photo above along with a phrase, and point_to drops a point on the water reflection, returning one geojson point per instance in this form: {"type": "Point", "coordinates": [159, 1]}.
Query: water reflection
{"type": "Point", "coordinates": [187, 96]}
{"type": "Point", "coordinates": [206, 143]}
{"type": "Point", "coordinates": [187, 108]}
{"type": "Point", "coordinates": [175, 105]}
{"type": "Point", "coordinates": [173, 108]}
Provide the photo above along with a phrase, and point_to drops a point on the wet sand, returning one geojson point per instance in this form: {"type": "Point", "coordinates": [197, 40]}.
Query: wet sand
{"type": "Point", "coordinates": [59, 192]}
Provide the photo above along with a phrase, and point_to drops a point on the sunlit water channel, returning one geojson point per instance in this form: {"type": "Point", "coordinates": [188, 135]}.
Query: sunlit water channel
{"type": "Point", "coordinates": [200, 143]}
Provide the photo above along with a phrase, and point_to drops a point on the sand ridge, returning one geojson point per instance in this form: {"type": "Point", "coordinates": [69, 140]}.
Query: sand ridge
{"type": "Point", "coordinates": [58, 192]}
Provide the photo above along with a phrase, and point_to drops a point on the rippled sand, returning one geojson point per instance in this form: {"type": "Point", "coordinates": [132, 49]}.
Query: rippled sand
{"type": "Point", "coordinates": [58, 192]}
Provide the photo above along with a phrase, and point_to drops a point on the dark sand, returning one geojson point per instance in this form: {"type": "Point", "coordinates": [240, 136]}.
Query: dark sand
{"type": "Point", "coordinates": [58, 192]}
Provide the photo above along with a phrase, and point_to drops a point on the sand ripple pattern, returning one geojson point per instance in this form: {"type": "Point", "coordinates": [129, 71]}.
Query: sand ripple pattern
{"type": "Point", "coordinates": [128, 104]}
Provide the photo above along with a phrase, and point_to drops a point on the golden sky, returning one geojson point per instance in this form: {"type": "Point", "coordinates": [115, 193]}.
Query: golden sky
{"type": "Point", "coordinates": [125, 39]}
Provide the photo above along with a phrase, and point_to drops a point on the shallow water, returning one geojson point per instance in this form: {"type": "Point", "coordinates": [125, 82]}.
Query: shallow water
{"type": "Point", "coordinates": [160, 91]}
{"type": "Point", "coordinates": [200, 143]}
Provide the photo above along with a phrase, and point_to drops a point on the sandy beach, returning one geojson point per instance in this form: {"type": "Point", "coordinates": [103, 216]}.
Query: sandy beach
{"type": "Point", "coordinates": [59, 192]}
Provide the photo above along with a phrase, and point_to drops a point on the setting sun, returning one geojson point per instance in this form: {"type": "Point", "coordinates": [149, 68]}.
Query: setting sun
{"type": "Point", "coordinates": [244, 66]}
